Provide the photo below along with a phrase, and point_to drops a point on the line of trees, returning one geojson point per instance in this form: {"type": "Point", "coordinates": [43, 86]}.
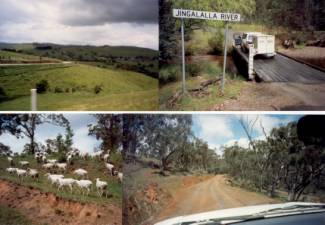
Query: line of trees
{"type": "Point", "coordinates": [280, 162]}
{"type": "Point", "coordinates": [293, 14]}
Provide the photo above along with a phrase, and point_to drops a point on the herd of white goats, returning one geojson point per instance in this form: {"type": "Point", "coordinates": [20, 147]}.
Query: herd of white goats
{"type": "Point", "coordinates": [52, 165]}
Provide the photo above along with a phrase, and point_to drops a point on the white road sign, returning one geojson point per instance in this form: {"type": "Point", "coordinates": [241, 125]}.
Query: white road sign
{"type": "Point", "coordinates": [193, 14]}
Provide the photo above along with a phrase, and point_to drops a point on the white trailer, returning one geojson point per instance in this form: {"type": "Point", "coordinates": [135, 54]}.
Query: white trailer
{"type": "Point", "coordinates": [264, 45]}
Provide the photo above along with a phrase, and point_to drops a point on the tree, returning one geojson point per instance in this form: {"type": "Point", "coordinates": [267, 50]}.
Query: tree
{"type": "Point", "coordinates": [164, 135]}
{"type": "Point", "coordinates": [24, 125]}
{"type": "Point", "coordinates": [109, 130]}
{"type": "Point", "coordinates": [5, 150]}
{"type": "Point", "coordinates": [68, 138]}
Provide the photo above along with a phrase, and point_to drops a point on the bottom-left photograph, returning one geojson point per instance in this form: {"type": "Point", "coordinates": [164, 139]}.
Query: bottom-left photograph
{"type": "Point", "coordinates": [60, 169]}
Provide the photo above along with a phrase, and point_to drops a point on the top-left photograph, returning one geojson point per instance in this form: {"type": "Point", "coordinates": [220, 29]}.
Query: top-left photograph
{"type": "Point", "coordinates": [79, 55]}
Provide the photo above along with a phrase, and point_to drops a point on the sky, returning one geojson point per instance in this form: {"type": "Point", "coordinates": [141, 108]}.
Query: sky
{"type": "Point", "coordinates": [93, 22]}
{"type": "Point", "coordinates": [78, 122]}
{"type": "Point", "coordinates": [225, 130]}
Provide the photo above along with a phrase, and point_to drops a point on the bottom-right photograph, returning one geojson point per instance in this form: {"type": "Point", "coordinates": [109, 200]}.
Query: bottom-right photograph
{"type": "Point", "coordinates": [241, 169]}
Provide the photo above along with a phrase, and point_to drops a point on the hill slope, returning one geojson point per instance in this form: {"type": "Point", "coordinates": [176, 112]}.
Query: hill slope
{"type": "Point", "coordinates": [72, 88]}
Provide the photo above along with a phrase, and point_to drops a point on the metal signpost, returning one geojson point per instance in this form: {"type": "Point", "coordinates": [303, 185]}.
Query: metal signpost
{"type": "Point", "coordinates": [204, 15]}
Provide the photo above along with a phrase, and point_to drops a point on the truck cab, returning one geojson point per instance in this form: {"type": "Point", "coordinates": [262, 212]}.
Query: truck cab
{"type": "Point", "coordinates": [247, 40]}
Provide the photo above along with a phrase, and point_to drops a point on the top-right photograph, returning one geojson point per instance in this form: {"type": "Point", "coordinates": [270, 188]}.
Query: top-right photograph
{"type": "Point", "coordinates": [245, 55]}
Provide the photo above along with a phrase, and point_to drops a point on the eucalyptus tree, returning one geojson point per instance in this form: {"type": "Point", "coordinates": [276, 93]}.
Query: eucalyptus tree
{"type": "Point", "coordinates": [165, 135]}
{"type": "Point", "coordinates": [25, 125]}
{"type": "Point", "coordinates": [108, 129]}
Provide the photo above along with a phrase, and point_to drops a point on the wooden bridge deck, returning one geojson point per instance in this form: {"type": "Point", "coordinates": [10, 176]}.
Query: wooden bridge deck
{"type": "Point", "coordinates": [284, 69]}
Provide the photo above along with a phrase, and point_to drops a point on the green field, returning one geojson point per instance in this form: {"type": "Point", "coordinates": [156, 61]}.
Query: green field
{"type": "Point", "coordinates": [72, 88]}
{"type": "Point", "coordinates": [19, 57]}
{"type": "Point", "coordinates": [95, 168]}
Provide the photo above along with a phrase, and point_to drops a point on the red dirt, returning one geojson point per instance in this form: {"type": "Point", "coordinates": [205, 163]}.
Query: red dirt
{"type": "Point", "coordinates": [47, 208]}
{"type": "Point", "coordinates": [211, 194]}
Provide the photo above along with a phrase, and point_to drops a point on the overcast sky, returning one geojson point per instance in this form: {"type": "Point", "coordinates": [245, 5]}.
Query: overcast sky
{"type": "Point", "coordinates": [95, 22]}
{"type": "Point", "coordinates": [81, 139]}
{"type": "Point", "coordinates": [225, 130]}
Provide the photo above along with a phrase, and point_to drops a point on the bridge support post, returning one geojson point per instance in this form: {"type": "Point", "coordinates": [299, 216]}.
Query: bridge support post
{"type": "Point", "coordinates": [251, 63]}
{"type": "Point", "coordinates": [33, 99]}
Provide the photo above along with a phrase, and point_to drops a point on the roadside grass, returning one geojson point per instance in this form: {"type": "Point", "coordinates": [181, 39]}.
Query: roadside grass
{"type": "Point", "coordinates": [233, 86]}
{"type": "Point", "coordinates": [10, 216]}
{"type": "Point", "coordinates": [19, 57]}
{"type": "Point", "coordinates": [95, 168]}
{"type": "Point", "coordinates": [72, 88]}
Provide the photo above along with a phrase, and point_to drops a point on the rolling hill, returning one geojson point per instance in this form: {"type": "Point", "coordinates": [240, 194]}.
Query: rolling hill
{"type": "Point", "coordinates": [72, 88]}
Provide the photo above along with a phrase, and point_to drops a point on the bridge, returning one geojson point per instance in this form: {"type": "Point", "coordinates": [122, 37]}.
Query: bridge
{"type": "Point", "coordinates": [278, 69]}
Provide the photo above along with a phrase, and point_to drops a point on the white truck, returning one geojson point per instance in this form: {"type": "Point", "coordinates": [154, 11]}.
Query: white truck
{"type": "Point", "coordinates": [262, 44]}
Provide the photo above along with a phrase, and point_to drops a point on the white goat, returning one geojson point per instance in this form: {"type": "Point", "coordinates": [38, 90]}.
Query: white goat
{"type": "Point", "coordinates": [53, 178]}
{"type": "Point", "coordinates": [69, 159]}
{"type": "Point", "coordinates": [105, 157]}
{"type": "Point", "coordinates": [120, 176]}
{"type": "Point", "coordinates": [62, 166]}
{"type": "Point", "coordinates": [65, 182]}
{"type": "Point", "coordinates": [24, 163]}
{"type": "Point", "coordinates": [53, 161]}
{"type": "Point", "coordinates": [110, 167]}
{"type": "Point", "coordinates": [11, 170]}
{"type": "Point", "coordinates": [101, 187]}
{"type": "Point", "coordinates": [84, 184]}
{"type": "Point", "coordinates": [10, 160]}
{"type": "Point", "coordinates": [48, 166]}
{"type": "Point", "coordinates": [80, 172]}
{"type": "Point", "coordinates": [32, 173]}
{"type": "Point", "coordinates": [21, 173]}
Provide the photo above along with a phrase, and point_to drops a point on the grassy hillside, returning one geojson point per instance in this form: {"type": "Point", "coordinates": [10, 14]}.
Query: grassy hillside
{"type": "Point", "coordinates": [71, 87]}
{"type": "Point", "coordinates": [95, 168]}
{"type": "Point", "coordinates": [136, 59]}
{"type": "Point", "coordinates": [15, 57]}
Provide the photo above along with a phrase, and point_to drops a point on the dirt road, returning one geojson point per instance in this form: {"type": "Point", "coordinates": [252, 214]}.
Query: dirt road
{"type": "Point", "coordinates": [277, 96]}
{"type": "Point", "coordinates": [46, 208]}
{"type": "Point", "coordinates": [209, 195]}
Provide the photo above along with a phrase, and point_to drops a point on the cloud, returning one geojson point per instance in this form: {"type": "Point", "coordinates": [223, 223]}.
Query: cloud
{"type": "Point", "coordinates": [99, 12]}
{"type": "Point", "coordinates": [242, 142]}
{"type": "Point", "coordinates": [97, 22]}
{"type": "Point", "coordinates": [214, 127]}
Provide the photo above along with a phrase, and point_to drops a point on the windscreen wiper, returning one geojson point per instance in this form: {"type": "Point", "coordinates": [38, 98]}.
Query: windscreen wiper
{"type": "Point", "coordinates": [294, 209]}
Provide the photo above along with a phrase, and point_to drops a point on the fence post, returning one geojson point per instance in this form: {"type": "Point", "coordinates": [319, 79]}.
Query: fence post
{"type": "Point", "coordinates": [33, 99]}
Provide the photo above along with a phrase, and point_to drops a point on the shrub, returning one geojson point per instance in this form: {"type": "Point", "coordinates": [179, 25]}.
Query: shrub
{"type": "Point", "coordinates": [211, 68]}
{"type": "Point", "coordinates": [97, 89]}
{"type": "Point", "coordinates": [216, 43]}
{"type": "Point", "coordinates": [58, 90]}
{"type": "Point", "coordinates": [169, 73]}
{"type": "Point", "coordinates": [42, 86]}
{"type": "Point", "coordinates": [3, 94]}
{"type": "Point", "coordinates": [194, 69]}
{"type": "Point", "coordinates": [67, 90]}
